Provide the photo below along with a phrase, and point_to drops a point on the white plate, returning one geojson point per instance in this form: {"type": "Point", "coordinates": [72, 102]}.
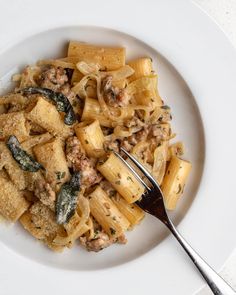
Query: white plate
{"type": "Point", "coordinates": [176, 94]}
{"type": "Point", "coordinates": [195, 63]}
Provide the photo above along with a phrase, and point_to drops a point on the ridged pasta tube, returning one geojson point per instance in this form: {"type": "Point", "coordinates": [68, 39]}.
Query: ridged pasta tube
{"type": "Point", "coordinates": [131, 211]}
{"type": "Point", "coordinates": [174, 181]}
{"type": "Point", "coordinates": [121, 178]}
{"type": "Point", "coordinates": [142, 67]}
{"type": "Point", "coordinates": [109, 58]}
{"type": "Point", "coordinates": [91, 138]}
{"type": "Point", "coordinates": [107, 214]}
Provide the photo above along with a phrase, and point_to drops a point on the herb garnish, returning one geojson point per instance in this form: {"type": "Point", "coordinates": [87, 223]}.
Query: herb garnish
{"type": "Point", "coordinates": [165, 107]}
{"type": "Point", "coordinates": [113, 231]}
{"type": "Point", "coordinates": [60, 174]}
{"type": "Point", "coordinates": [179, 189]}
{"type": "Point", "coordinates": [25, 161]}
{"type": "Point", "coordinates": [67, 199]}
{"type": "Point", "coordinates": [130, 178]}
{"type": "Point", "coordinates": [112, 193]}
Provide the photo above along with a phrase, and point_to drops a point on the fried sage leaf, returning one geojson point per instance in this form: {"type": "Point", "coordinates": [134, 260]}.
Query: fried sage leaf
{"type": "Point", "coordinates": [67, 199]}
{"type": "Point", "coordinates": [25, 161]}
{"type": "Point", "coordinates": [70, 118]}
{"type": "Point", "coordinates": [61, 101]}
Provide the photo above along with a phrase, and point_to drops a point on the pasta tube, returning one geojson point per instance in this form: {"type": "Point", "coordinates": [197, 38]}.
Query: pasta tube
{"type": "Point", "coordinates": [106, 213]}
{"type": "Point", "coordinates": [91, 138]}
{"type": "Point", "coordinates": [142, 67]}
{"type": "Point", "coordinates": [13, 124]}
{"type": "Point", "coordinates": [12, 202]}
{"type": "Point", "coordinates": [174, 181]}
{"type": "Point", "coordinates": [108, 58]}
{"type": "Point", "coordinates": [131, 211]}
{"type": "Point", "coordinates": [77, 225]}
{"type": "Point", "coordinates": [45, 115]}
{"type": "Point", "coordinates": [40, 222]}
{"type": "Point", "coordinates": [159, 165]}
{"type": "Point", "coordinates": [144, 91]}
{"type": "Point", "coordinates": [121, 178]}
{"type": "Point", "coordinates": [51, 155]}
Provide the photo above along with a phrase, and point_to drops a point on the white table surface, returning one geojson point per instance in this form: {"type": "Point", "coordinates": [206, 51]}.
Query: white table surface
{"type": "Point", "coordinates": [222, 11]}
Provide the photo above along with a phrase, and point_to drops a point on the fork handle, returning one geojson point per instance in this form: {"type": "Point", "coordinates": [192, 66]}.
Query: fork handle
{"type": "Point", "coordinates": [214, 281]}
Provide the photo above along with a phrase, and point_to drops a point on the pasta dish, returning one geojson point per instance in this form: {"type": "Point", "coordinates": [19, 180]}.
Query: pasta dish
{"type": "Point", "coordinates": [59, 127]}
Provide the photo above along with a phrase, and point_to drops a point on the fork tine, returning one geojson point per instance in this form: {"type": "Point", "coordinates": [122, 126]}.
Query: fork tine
{"type": "Point", "coordinates": [133, 171]}
{"type": "Point", "coordinates": [140, 166]}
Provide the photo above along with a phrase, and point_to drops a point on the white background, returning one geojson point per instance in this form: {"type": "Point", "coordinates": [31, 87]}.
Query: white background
{"type": "Point", "coordinates": [224, 13]}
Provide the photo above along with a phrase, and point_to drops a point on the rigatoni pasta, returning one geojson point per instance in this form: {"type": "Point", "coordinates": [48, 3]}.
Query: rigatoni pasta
{"type": "Point", "coordinates": [109, 58]}
{"type": "Point", "coordinates": [144, 91]}
{"type": "Point", "coordinates": [13, 124]}
{"type": "Point", "coordinates": [91, 138]}
{"type": "Point", "coordinates": [107, 214]}
{"type": "Point", "coordinates": [12, 202]}
{"type": "Point", "coordinates": [45, 115]}
{"type": "Point", "coordinates": [121, 178]}
{"type": "Point", "coordinates": [51, 155]}
{"type": "Point", "coordinates": [59, 128]}
{"type": "Point", "coordinates": [131, 211]}
{"type": "Point", "coordinates": [142, 67]}
{"type": "Point", "coordinates": [160, 161]}
{"type": "Point", "coordinates": [174, 181]}
{"type": "Point", "coordinates": [39, 222]}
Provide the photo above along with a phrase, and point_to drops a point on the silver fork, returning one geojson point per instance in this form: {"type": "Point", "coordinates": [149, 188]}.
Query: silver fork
{"type": "Point", "coordinates": [153, 203]}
